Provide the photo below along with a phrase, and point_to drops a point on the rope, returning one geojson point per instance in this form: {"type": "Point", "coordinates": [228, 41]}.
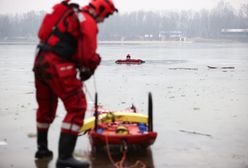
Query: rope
{"type": "Point", "coordinates": [94, 81]}
{"type": "Point", "coordinates": [88, 93]}
{"type": "Point", "coordinates": [108, 152]}
{"type": "Point", "coordinates": [120, 164]}
{"type": "Point", "coordinates": [87, 90]}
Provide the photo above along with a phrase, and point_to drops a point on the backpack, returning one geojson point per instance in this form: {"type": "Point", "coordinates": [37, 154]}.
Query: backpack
{"type": "Point", "coordinates": [53, 32]}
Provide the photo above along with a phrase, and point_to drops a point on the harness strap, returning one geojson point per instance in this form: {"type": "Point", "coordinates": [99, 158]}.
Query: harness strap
{"type": "Point", "coordinates": [67, 45]}
{"type": "Point", "coordinates": [66, 13]}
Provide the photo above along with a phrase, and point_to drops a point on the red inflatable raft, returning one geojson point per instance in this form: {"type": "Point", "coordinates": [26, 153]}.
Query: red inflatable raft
{"type": "Point", "coordinates": [129, 61]}
{"type": "Point", "coordinates": [121, 127]}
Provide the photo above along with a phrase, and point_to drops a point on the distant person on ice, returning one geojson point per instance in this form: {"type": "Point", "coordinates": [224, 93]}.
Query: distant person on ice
{"type": "Point", "coordinates": [68, 43]}
{"type": "Point", "coordinates": [128, 57]}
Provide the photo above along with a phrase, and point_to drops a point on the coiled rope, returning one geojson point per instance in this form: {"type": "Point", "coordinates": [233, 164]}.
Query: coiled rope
{"type": "Point", "coordinates": [120, 164]}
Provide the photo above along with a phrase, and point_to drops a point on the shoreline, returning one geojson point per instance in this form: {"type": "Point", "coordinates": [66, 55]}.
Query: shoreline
{"type": "Point", "coordinates": [105, 42]}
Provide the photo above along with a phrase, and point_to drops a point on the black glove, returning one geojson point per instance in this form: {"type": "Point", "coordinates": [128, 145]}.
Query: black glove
{"type": "Point", "coordinates": [85, 74]}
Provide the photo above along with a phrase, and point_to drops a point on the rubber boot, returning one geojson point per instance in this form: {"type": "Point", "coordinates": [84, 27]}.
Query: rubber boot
{"type": "Point", "coordinates": [43, 151]}
{"type": "Point", "coordinates": [67, 144]}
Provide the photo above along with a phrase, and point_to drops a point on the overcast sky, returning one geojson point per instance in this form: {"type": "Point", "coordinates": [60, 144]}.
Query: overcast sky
{"type": "Point", "coordinates": [19, 6]}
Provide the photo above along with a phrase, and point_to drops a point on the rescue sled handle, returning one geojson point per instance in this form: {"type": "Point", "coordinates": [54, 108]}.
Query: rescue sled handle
{"type": "Point", "coordinates": [150, 113]}
{"type": "Point", "coordinates": [96, 111]}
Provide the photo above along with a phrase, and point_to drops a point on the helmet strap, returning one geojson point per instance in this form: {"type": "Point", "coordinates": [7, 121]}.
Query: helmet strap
{"type": "Point", "coordinates": [91, 11]}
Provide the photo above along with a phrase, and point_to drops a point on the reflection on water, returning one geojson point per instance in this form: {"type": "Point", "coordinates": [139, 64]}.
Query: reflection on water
{"type": "Point", "coordinates": [43, 163]}
{"type": "Point", "coordinates": [162, 62]}
{"type": "Point", "coordinates": [188, 95]}
{"type": "Point", "coordinates": [133, 157]}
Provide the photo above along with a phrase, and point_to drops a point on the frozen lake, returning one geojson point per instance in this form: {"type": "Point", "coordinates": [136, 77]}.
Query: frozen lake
{"type": "Point", "coordinates": [200, 113]}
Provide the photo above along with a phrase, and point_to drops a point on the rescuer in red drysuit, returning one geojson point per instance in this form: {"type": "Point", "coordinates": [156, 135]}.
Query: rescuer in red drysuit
{"type": "Point", "coordinates": [68, 42]}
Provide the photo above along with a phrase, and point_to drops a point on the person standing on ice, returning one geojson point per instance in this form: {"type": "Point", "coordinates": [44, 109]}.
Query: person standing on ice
{"type": "Point", "coordinates": [68, 43]}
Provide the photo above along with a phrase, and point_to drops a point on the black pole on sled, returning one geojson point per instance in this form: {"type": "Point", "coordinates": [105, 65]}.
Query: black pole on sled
{"type": "Point", "coordinates": [96, 112]}
{"type": "Point", "coordinates": [150, 113]}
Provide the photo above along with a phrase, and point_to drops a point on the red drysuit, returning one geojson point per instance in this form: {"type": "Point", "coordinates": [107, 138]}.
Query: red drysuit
{"type": "Point", "coordinates": [56, 77]}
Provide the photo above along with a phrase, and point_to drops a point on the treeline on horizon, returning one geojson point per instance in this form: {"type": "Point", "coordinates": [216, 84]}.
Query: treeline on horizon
{"type": "Point", "coordinates": [136, 25]}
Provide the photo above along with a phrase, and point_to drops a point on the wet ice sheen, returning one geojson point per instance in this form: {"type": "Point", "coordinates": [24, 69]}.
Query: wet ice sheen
{"type": "Point", "coordinates": [187, 96]}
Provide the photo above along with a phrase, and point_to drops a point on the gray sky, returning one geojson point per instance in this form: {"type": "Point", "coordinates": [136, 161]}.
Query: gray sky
{"type": "Point", "coordinates": [19, 6]}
